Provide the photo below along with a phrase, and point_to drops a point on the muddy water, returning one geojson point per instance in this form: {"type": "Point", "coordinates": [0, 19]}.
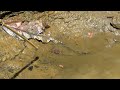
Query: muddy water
{"type": "Point", "coordinates": [62, 61]}
{"type": "Point", "coordinates": [90, 48]}
{"type": "Point", "coordinates": [100, 63]}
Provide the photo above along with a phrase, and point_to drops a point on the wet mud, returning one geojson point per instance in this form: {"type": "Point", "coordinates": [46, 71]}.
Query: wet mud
{"type": "Point", "coordinates": [89, 47]}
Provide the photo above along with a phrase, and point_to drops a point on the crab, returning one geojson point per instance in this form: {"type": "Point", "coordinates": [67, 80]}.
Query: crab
{"type": "Point", "coordinates": [28, 30]}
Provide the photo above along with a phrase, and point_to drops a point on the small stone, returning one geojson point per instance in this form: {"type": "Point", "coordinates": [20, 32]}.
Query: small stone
{"type": "Point", "coordinates": [11, 70]}
{"type": "Point", "coordinates": [30, 68]}
{"type": "Point", "coordinates": [61, 66]}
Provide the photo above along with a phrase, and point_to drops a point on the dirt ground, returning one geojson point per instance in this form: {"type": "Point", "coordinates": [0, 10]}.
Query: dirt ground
{"type": "Point", "coordinates": [89, 49]}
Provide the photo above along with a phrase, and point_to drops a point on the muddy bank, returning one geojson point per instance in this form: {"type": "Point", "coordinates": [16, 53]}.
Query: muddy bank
{"type": "Point", "coordinates": [89, 48]}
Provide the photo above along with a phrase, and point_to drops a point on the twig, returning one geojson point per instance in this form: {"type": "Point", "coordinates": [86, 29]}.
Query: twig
{"type": "Point", "coordinates": [3, 24]}
{"type": "Point", "coordinates": [16, 74]}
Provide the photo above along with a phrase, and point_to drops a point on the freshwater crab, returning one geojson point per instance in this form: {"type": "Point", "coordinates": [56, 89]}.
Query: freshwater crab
{"type": "Point", "coordinates": [28, 30]}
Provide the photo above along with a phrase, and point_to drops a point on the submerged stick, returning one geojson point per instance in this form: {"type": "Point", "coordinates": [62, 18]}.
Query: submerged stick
{"type": "Point", "coordinates": [3, 24]}
{"type": "Point", "coordinates": [16, 74]}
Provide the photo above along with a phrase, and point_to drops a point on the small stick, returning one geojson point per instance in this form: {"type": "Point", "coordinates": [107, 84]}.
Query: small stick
{"type": "Point", "coordinates": [3, 24]}
{"type": "Point", "coordinates": [117, 26]}
{"type": "Point", "coordinates": [16, 74]}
